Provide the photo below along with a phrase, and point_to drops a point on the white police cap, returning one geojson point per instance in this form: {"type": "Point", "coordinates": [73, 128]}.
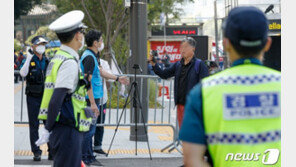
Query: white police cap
{"type": "Point", "coordinates": [68, 22]}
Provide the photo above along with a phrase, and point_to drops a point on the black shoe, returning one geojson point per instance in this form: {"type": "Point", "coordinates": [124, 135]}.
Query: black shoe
{"type": "Point", "coordinates": [50, 157]}
{"type": "Point", "coordinates": [95, 163]}
{"type": "Point", "coordinates": [37, 157]}
{"type": "Point", "coordinates": [100, 151]}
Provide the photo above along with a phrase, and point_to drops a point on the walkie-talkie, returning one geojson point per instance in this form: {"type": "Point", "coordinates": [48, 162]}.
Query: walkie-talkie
{"type": "Point", "coordinates": [30, 51]}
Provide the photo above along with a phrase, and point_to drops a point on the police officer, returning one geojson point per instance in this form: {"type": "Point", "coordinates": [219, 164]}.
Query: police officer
{"type": "Point", "coordinates": [34, 70]}
{"type": "Point", "coordinates": [236, 114]}
{"type": "Point", "coordinates": [63, 104]}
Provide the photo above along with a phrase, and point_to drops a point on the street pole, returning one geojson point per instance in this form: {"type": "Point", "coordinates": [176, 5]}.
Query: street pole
{"type": "Point", "coordinates": [216, 32]}
{"type": "Point", "coordinates": [164, 30]}
{"type": "Point", "coordinates": [138, 44]}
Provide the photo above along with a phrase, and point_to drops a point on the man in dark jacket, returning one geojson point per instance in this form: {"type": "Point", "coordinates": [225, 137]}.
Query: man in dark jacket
{"type": "Point", "coordinates": [187, 72]}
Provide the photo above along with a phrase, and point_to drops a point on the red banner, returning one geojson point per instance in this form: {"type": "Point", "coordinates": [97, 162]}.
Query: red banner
{"type": "Point", "coordinates": [172, 48]}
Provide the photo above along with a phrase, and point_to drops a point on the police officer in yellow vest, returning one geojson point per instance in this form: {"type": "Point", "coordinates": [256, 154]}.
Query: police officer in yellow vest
{"type": "Point", "coordinates": [63, 104]}
{"type": "Point", "coordinates": [34, 69]}
{"type": "Point", "coordinates": [235, 115]}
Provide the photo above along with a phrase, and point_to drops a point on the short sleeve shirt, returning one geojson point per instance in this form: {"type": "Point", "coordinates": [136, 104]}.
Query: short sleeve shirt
{"type": "Point", "coordinates": [68, 72]}
{"type": "Point", "coordinates": [192, 130]}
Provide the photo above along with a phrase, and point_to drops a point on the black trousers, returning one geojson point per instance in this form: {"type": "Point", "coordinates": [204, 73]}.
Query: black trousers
{"type": "Point", "coordinates": [66, 146]}
{"type": "Point", "coordinates": [33, 105]}
{"type": "Point", "coordinates": [100, 129]}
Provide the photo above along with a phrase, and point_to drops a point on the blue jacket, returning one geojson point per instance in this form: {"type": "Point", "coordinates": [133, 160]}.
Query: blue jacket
{"type": "Point", "coordinates": [194, 75]}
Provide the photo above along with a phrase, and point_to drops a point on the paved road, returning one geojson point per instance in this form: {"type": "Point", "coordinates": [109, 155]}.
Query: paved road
{"type": "Point", "coordinates": [122, 152]}
{"type": "Point", "coordinates": [126, 162]}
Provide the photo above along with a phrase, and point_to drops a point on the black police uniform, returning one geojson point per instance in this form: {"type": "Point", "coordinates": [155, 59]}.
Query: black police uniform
{"type": "Point", "coordinates": [34, 91]}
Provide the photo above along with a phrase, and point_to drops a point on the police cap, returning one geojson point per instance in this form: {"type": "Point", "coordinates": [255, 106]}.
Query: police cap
{"type": "Point", "coordinates": [246, 27]}
{"type": "Point", "coordinates": [68, 22]}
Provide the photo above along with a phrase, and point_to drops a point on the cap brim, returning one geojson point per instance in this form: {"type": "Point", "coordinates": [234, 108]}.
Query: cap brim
{"type": "Point", "coordinates": [41, 41]}
{"type": "Point", "coordinates": [82, 25]}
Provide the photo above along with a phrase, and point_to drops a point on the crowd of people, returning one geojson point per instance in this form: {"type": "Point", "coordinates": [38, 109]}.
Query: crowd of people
{"type": "Point", "coordinates": [18, 60]}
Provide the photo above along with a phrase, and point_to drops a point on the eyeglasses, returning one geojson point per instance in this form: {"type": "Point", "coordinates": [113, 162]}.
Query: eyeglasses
{"type": "Point", "coordinates": [82, 31]}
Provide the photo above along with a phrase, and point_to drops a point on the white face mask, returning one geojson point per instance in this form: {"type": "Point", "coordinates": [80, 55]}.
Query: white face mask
{"type": "Point", "coordinates": [101, 48]}
{"type": "Point", "coordinates": [40, 49]}
{"type": "Point", "coordinates": [82, 43]}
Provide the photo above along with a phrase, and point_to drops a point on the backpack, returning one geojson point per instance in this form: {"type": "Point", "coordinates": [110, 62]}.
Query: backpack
{"type": "Point", "coordinates": [196, 65]}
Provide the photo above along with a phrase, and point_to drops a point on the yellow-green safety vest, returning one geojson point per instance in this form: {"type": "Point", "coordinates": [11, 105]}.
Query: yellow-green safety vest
{"type": "Point", "coordinates": [242, 116]}
{"type": "Point", "coordinates": [82, 123]}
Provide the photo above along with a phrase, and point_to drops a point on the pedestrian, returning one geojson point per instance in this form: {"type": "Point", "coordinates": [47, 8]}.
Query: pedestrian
{"type": "Point", "coordinates": [63, 104]}
{"type": "Point", "coordinates": [16, 76]}
{"type": "Point", "coordinates": [166, 60]}
{"type": "Point", "coordinates": [99, 133]}
{"type": "Point", "coordinates": [91, 69]}
{"type": "Point", "coordinates": [150, 70]}
{"type": "Point", "coordinates": [236, 113]}
{"type": "Point", "coordinates": [34, 70]}
{"type": "Point", "coordinates": [187, 72]}
{"type": "Point", "coordinates": [20, 59]}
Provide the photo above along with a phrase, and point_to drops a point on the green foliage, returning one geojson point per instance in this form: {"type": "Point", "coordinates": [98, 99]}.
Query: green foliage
{"type": "Point", "coordinates": [45, 31]}
{"type": "Point", "coordinates": [22, 7]}
{"type": "Point", "coordinates": [109, 20]}
{"type": "Point", "coordinates": [94, 9]}
{"type": "Point", "coordinates": [153, 93]}
{"type": "Point", "coordinates": [17, 45]}
{"type": "Point", "coordinates": [121, 100]}
{"type": "Point", "coordinates": [121, 50]}
{"type": "Point", "coordinates": [156, 7]}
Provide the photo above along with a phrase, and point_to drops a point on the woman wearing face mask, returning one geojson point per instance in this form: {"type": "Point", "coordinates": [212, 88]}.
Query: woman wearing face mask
{"type": "Point", "coordinates": [34, 70]}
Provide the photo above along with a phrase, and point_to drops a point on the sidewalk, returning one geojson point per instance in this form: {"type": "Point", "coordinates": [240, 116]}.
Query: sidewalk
{"type": "Point", "coordinates": [130, 162]}
{"type": "Point", "coordinates": [122, 152]}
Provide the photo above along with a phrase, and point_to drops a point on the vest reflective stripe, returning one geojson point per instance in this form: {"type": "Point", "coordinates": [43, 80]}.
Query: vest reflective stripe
{"type": "Point", "coordinates": [49, 85]}
{"type": "Point", "coordinates": [78, 97]}
{"type": "Point", "coordinates": [244, 138]}
{"type": "Point", "coordinates": [96, 81]}
{"type": "Point", "coordinates": [243, 80]}
{"type": "Point", "coordinates": [241, 112]}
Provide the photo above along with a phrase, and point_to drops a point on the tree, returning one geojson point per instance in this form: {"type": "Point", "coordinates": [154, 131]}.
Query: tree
{"type": "Point", "coordinates": [112, 18]}
{"type": "Point", "coordinates": [22, 7]}
{"type": "Point", "coordinates": [168, 7]}
{"type": "Point", "coordinates": [45, 31]}
{"type": "Point", "coordinates": [17, 45]}
{"type": "Point", "coordinates": [109, 16]}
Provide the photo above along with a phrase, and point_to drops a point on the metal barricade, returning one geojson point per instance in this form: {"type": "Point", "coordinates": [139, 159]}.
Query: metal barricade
{"type": "Point", "coordinates": [159, 113]}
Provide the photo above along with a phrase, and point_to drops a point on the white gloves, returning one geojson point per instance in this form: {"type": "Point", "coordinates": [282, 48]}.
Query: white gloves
{"type": "Point", "coordinates": [25, 69]}
{"type": "Point", "coordinates": [29, 55]}
{"type": "Point", "coordinates": [43, 137]}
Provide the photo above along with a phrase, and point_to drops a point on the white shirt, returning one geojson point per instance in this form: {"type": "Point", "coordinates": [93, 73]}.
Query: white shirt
{"type": "Point", "coordinates": [67, 76]}
{"type": "Point", "coordinates": [106, 67]}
